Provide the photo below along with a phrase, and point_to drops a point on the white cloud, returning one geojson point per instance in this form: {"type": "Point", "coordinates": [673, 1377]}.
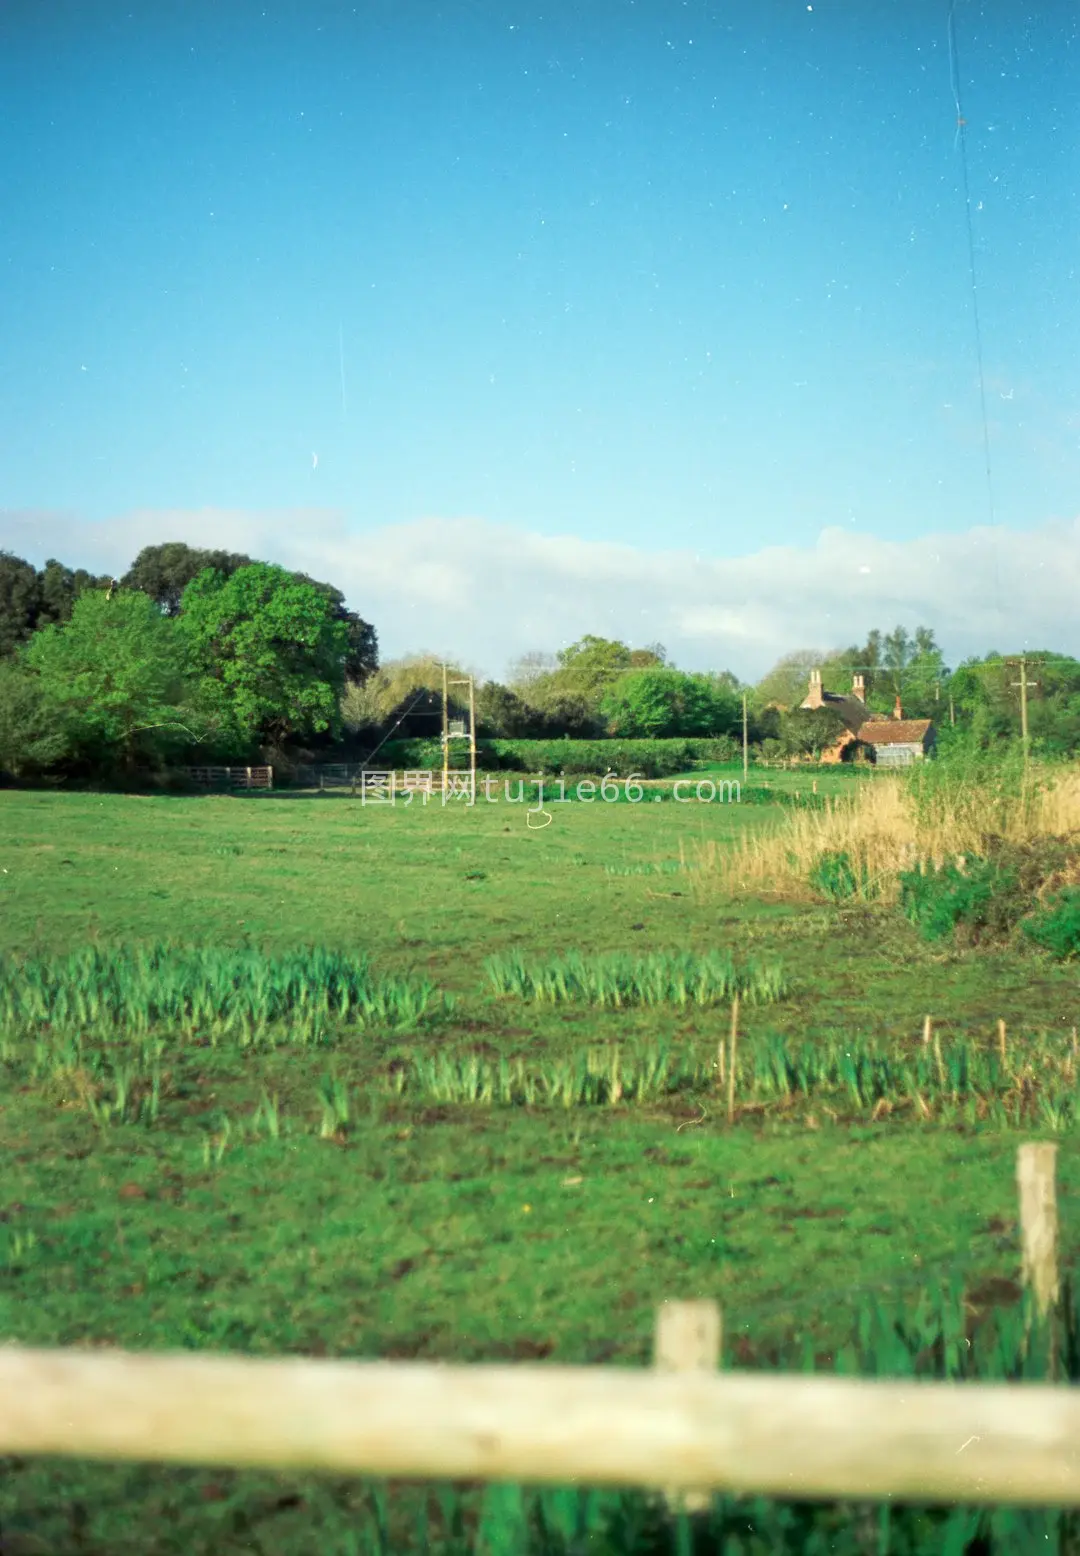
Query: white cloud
{"type": "Point", "coordinates": [488, 592]}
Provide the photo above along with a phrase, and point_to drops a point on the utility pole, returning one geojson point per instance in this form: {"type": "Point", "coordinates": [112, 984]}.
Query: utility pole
{"type": "Point", "coordinates": [745, 746]}
{"type": "Point", "coordinates": [445, 736]}
{"type": "Point", "coordinates": [472, 737]}
{"type": "Point", "coordinates": [1023, 702]}
{"type": "Point", "coordinates": [1023, 684]}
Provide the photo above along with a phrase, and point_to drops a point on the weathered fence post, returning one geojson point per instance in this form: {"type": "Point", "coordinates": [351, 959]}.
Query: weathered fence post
{"type": "Point", "coordinates": [1035, 1165]}
{"type": "Point", "coordinates": [731, 1059]}
{"type": "Point", "coordinates": [687, 1339]}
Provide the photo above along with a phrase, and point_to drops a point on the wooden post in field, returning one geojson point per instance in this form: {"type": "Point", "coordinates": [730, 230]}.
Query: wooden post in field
{"type": "Point", "coordinates": [926, 1030]}
{"type": "Point", "coordinates": [1038, 1222]}
{"type": "Point", "coordinates": [731, 1059]}
{"type": "Point", "coordinates": [1001, 1040]}
{"type": "Point", "coordinates": [745, 743]}
{"type": "Point", "coordinates": [687, 1339]}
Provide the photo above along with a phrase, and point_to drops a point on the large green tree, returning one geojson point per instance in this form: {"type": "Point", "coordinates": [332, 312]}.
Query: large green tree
{"type": "Point", "coordinates": [30, 599]}
{"type": "Point", "coordinates": [564, 696]}
{"type": "Point", "coordinates": [361, 643]}
{"type": "Point", "coordinates": [911, 668]}
{"type": "Point", "coordinates": [61, 587]}
{"type": "Point", "coordinates": [164, 572]}
{"type": "Point", "coordinates": [118, 678]}
{"type": "Point", "coordinates": [592, 663]}
{"type": "Point", "coordinates": [809, 731]}
{"type": "Point", "coordinates": [663, 702]}
{"type": "Point", "coordinates": [501, 713]}
{"type": "Point", "coordinates": [20, 602]}
{"type": "Point", "coordinates": [269, 650]}
{"type": "Point", "coordinates": [32, 733]}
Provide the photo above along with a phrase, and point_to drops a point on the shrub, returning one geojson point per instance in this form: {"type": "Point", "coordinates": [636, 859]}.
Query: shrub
{"type": "Point", "coordinates": [938, 901]}
{"type": "Point", "coordinates": [722, 748]}
{"type": "Point", "coordinates": [834, 877]}
{"type": "Point", "coordinates": [1056, 925]}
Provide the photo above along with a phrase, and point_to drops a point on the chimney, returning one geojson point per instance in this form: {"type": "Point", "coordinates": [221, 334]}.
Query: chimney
{"type": "Point", "coordinates": [813, 695]}
{"type": "Point", "coordinates": [897, 712]}
{"type": "Point", "coordinates": [858, 687]}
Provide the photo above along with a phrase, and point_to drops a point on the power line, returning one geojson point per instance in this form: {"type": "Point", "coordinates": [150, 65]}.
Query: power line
{"type": "Point", "coordinates": [424, 692]}
{"type": "Point", "coordinates": [961, 140]}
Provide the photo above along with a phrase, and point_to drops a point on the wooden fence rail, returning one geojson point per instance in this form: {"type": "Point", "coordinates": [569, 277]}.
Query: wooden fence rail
{"type": "Point", "coordinates": [788, 1436]}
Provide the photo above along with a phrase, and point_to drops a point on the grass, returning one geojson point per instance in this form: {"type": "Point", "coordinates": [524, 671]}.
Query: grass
{"type": "Point", "coordinates": [618, 980]}
{"type": "Point", "coordinates": [242, 994]}
{"type": "Point", "coordinates": [488, 1176]}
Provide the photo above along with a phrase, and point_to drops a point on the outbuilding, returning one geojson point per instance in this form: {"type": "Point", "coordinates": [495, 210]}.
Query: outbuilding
{"type": "Point", "coordinates": [898, 742]}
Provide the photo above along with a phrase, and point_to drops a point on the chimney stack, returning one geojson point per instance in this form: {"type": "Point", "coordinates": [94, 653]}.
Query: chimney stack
{"type": "Point", "coordinates": [813, 696]}
{"type": "Point", "coordinates": [897, 712]}
{"type": "Point", "coordinates": [858, 687]}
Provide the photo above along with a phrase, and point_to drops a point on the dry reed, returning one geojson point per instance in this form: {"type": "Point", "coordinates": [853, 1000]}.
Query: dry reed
{"type": "Point", "coordinates": [893, 824]}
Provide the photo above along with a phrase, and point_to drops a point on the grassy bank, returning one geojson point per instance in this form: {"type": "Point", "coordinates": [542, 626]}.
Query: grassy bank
{"type": "Point", "coordinates": [964, 808]}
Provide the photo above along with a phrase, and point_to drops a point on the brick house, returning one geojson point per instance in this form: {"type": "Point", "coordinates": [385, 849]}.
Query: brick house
{"type": "Point", "coordinates": [895, 742]}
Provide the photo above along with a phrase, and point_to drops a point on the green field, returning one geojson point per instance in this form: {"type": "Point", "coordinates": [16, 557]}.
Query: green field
{"type": "Point", "coordinates": [271, 1178]}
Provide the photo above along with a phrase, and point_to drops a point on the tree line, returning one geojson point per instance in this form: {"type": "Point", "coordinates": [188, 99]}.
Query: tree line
{"type": "Point", "coordinates": [211, 656]}
{"type": "Point", "coordinates": [601, 687]}
{"type": "Point", "coordinates": [594, 688]}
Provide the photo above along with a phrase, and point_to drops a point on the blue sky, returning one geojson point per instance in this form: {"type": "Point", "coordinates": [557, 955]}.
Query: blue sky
{"type": "Point", "coordinates": [453, 298]}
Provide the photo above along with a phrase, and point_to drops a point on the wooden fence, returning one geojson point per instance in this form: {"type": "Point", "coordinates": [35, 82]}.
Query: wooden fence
{"type": "Point", "coordinates": [680, 1427]}
{"type": "Point", "coordinates": [232, 777]}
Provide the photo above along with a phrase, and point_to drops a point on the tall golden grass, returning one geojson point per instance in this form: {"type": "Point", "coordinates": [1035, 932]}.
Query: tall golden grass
{"type": "Point", "coordinates": [894, 823]}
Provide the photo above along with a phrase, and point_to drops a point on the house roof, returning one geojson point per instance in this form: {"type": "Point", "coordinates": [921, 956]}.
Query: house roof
{"type": "Point", "coordinates": [851, 709]}
{"type": "Point", "coordinates": [895, 732]}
